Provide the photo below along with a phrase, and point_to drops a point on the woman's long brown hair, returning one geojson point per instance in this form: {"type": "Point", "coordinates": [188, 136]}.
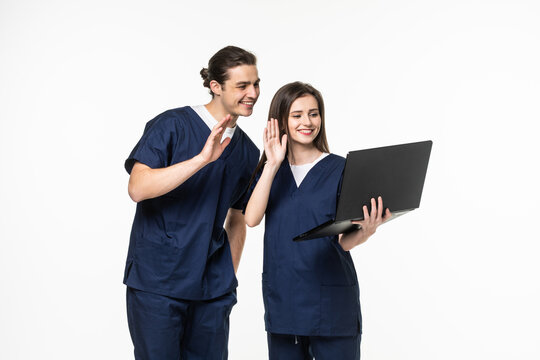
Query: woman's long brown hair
{"type": "Point", "coordinates": [280, 108]}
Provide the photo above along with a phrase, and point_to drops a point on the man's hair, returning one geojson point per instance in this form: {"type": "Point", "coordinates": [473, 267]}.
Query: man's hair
{"type": "Point", "coordinates": [225, 59]}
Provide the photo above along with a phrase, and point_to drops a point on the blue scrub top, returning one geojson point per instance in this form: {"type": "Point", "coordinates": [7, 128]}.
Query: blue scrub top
{"type": "Point", "coordinates": [178, 246]}
{"type": "Point", "coordinates": [310, 287]}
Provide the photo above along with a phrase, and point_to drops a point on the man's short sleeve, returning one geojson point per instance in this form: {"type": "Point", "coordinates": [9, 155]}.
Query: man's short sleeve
{"type": "Point", "coordinates": [156, 146]}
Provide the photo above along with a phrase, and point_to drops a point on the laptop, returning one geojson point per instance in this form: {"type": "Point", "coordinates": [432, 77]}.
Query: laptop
{"type": "Point", "coordinates": [396, 173]}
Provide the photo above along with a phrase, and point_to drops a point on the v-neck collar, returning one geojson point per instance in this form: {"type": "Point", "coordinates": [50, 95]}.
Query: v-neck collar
{"type": "Point", "coordinates": [317, 168]}
{"type": "Point", "coordinates": [206, 132]}
{"type": "Point", "coordinates": [300, 171]}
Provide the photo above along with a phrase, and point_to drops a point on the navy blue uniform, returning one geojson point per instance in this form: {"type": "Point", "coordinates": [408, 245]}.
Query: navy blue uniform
{"type": "Point", "coordinates": [310, 288]}
{"type": "Point", "coordinates": [178, 247]}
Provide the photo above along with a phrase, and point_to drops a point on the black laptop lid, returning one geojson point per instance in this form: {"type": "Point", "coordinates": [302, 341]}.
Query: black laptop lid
{"type": "Point", "coordinates": [396, 173]}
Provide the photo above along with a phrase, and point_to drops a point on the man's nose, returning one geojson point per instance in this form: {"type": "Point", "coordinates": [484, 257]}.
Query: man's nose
{"type": "Point", "coordinates": [253, 92]}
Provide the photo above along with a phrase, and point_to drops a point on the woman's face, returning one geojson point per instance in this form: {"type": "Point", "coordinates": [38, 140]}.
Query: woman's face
{"type": "Point", "coordinates": [304, 121]}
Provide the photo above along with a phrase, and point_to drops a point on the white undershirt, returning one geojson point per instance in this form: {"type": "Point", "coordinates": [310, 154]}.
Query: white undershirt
{"type": "Point", "coordinates": [300, 171]}
{"type": "Point", "coordinates": [210, 121]}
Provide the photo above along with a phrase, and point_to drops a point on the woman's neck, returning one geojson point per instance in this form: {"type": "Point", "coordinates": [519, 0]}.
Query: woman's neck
{"type": "Point", "coordinates": [301, 154]}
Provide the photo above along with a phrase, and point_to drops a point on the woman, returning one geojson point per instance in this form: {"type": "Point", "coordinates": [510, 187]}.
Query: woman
{"type": "Point", "coordinates": [310, 288]}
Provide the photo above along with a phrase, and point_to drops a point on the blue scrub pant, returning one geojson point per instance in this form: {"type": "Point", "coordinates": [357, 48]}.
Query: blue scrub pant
{"type": "Point", "coordinates": [165, 328]}
{"type": "Point", "coordinates": [291, 347]}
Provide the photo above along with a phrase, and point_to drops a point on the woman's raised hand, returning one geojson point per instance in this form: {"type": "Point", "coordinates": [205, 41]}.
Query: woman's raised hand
{"type": "Point", "coordinates": [274, 149]}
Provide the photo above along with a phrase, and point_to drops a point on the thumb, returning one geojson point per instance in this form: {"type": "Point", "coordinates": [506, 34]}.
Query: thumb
{"type": "Point", "coordinates": [225, 143]}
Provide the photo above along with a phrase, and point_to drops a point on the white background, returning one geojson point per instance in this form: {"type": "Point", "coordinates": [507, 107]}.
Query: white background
{"type": "Point", "coordinates": [456, 279]}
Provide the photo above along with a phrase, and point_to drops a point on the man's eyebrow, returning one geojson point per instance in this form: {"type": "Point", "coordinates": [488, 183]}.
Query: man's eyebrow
{"type": "Point", "coordinates": [247, 82]}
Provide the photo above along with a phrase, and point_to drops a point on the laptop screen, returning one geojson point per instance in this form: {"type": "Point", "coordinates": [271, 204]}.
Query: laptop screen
{"type": "Point", "coordinates": [396, 173]}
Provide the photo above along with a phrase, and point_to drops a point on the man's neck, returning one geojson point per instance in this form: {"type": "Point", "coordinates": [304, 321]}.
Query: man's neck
{"type": "Point", "coordinates": [218, 112]}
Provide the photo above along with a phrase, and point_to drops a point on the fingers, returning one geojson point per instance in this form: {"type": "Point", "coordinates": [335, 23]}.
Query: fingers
{"type": "Point", "coordinates": [225, 142]}
{"type": "Point", "coordinates": [373, 214]}
{"type": "Point", "coordinates": [272, 128]}
{"type": "Point", "coordinates": [379, 208]}
{"type": "Point", "coordinates": [219, 131]}
{"type": "Point", "coordinates": [382, 213]}
{"type": "Point", "coordinates": [271, 132]}
{"type": "Point", "coordinates": [284, 142]}
{"type": "Point", "coordinates": [275, 130]}
{"type": "Point", "coordinates": [372, 218]}
{"type": "Point", "coordinates": [360, 223]}
{"type": "Point", "coordinates": [223, 123]}
{"type": "Point", "coordinates": [219, 128]}
{"type": "Point", "coordinates": [366, 213]}
{"type": "Point", "coordinates": [268, 130]}
{"type": "Point", "coordinates": [214, 136]}
{"type": "Point", "coordinates": [387, 215]}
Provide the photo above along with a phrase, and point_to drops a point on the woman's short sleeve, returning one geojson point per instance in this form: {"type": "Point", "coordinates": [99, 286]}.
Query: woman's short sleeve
{"type": "Point", "coordinates": [249, 191]}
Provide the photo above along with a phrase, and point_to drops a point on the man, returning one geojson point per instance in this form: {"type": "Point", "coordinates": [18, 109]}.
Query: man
{"type": "Point", "coordinates": [188, 175]}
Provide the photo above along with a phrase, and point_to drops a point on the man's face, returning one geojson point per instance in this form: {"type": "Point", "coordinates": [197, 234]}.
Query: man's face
{"type": "Point", "coordinates": [241, 91]}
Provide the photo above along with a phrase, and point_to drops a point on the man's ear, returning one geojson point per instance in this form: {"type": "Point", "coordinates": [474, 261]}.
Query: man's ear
{"type": "Point", "coordinates": [216, 87]}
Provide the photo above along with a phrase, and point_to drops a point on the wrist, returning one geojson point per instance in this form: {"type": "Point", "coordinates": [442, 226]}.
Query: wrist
{"type": "Point", "coordinates": [270, 171]}
{"type": "Point", "coordinates": [201, 161]}
{"type": "Point", "coordinates": [272, 166]}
